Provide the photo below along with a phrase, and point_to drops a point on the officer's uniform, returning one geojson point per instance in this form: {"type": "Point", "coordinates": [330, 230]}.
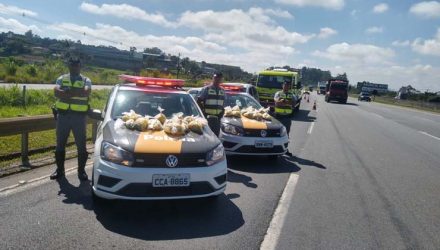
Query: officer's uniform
{"type": "Point", "coordinates": [283, 111]}
{"type": "Point", "coordinates": [212, 99]}
{"type": "Point", "coordinates": [72, 115]}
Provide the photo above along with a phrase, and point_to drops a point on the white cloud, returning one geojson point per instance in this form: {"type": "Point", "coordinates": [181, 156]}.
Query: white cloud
{"type": "Point", "coordinates": [426, 9]}
{"type": "Point", "coordinates": [380, 8]}
{"type": "Point", "coordinates": [126, 11]}
{"type": "Point", "coordinates": [14, 10]}
{"type": "Point", "coordinates": [272, 12]}
{"type": "Point", "coordinates": [353, 12]}
{"type": "Point", "coordinates": [248, 30]}
{"type": "Point", "coordinates": [429, 46]}
{"type": "Point", "coordinates": [16, 27]}
{"type": "Point", "coordinates": [374, 30]}
{"type": "Point", "coordinates": [399, 43]}
{"type": "Point", "coordinates": [357, 54]}
{"type": "Point", "coordinates": [326, 32]}
{"type": "Point", "coordinates": [328, 4]}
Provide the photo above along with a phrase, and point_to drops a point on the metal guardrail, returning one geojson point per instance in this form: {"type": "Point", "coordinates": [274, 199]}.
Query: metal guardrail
{"type": "Point", "coordinates": [26, 125]}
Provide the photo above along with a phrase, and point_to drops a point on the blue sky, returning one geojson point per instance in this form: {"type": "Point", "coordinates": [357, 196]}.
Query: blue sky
{"type": "Point", "coordinates": [393, 42]}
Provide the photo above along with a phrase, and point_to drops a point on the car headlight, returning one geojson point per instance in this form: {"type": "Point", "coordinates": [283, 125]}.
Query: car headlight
{"type": "Point", "coordinates": [231, 129]}
{"type": "Point", "coordinates": [215, 155]}
{"type": "Point", "coordinates": [115, 154]}
{"type": "Point", "coordinates": [283, 131]}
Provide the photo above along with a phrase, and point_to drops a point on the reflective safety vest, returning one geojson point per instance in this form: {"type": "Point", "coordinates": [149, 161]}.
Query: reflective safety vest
{"type": "Point", "coordinates": [75, 103]}
{"type": "Point", "coordinates": [214, 101]}
{"type": "Point", "coordinates": [284, 108]}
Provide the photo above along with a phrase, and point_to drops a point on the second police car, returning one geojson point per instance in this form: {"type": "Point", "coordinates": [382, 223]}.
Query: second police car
{"type": "Point", "coordinates": [243, 136]}
{"type": "Point", "coordinates": [148, 165]}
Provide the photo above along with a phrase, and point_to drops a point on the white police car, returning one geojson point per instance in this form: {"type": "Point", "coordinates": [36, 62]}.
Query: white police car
{"type": "Point", "coordinates": [152, 165]}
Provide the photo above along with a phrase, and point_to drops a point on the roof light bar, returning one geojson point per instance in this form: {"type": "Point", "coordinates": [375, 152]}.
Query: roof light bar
{"type": "Point", "coordinates": [140, 80]}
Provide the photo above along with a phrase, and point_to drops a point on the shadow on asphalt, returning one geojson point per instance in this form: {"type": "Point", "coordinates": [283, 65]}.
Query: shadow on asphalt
{"type": "Point", "coordinates": [241, 178]}
{"type": "Point", "coordinates": [295, 159]}
{"type": "Point", "coordinates": [75, 195]}
{"type": "Point", "coordinates": [261, 165]}
{"type": "Point", "coordinates": [348, 103]}
{"type": "Point", "coordinates": [302, 115]}
{"type": "Point", "coordinates": [170, 220]}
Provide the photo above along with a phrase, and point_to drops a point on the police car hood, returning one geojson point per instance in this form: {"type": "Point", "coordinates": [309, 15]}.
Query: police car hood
{"type": "Point", "coordinates": [251, 124]}
{"type": "Point", "coordinates": [158, 141]}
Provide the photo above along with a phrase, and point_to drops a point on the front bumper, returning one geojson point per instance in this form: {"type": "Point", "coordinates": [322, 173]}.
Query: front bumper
{"type": "Point", "coordinates": [112, 181]}
{"type": "Point", "coordinates": [241, 145]}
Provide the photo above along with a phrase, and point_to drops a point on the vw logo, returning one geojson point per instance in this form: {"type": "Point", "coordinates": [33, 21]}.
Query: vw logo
{"type": "Point", "coordinates": [171, 161]}
{"type": "Point", "coordinates": [263, 133]}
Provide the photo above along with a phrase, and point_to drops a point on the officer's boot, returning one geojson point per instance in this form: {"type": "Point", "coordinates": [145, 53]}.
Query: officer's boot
{"type": "Point", "coordinates": [82, 159]}
{"type": "Point", "coordinates": [60, 157]}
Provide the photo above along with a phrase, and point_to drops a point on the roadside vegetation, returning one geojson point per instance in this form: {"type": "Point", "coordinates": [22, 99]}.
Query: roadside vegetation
{"type": "Point", "coordinates": [424, 101]}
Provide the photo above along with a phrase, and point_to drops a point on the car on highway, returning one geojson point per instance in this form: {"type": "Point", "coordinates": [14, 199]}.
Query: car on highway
{"type": "Point", "coordinates": [242, 87]}
{"type": "Point", "coordinates": [152, 164]}
{"type": "Point", "coordinates": [244, 136]}
{"type": "Point", "coordinates": [194, 92]}
{"type": "Point", "coordinates": [364, 96]}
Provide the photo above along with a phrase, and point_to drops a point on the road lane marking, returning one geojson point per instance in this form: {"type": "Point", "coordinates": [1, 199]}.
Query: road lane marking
{"type": "Point", "coordinates": [435, 137]}
{"type": "Point", "coordinates": [34, 182]}
{"type": "Point", "coordinates": [272, 236]}
{"type": "Point", "coordinates": [311, 128]}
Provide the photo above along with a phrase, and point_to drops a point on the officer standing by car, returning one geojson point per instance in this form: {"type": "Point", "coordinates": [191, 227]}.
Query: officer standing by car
{"type": "Point", "coordinates": [211, 99]}
{"type": "Point", "coordinates": [72, 92]}
{"type": "Point", "coordinates": [284, 108]}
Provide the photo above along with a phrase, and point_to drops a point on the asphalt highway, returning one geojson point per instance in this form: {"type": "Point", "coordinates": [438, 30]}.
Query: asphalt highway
{"type": "Point", "coordinates": [366, 177]}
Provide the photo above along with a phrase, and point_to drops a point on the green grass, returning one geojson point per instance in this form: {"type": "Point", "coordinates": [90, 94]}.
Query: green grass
{"type": "Point", "coordinates": [41, 101]}
{"type": "Point", "coordinates": [42, 139]}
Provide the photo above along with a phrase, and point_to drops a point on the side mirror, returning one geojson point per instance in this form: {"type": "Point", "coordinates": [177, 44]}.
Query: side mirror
{"type": "Point", "coordinates": [95, 114]}
{"type": "Point", "coordinates": [271, 109]}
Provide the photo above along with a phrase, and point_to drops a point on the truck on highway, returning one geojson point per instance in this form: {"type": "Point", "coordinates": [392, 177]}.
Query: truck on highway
{"type": "Point", "coordinates": [321, 88]}
{"type": "Point", "coordinates": [271, 81]}
{"type": "Point", "coordinates": [336, 90]}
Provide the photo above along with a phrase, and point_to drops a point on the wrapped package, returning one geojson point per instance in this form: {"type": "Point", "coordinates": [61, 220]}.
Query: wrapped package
{"type": "Point", "coordinates": [161, 117]}
{"type": "Point", "coordinates": [130, 115]}
{"type": "Point", "coordinates": [154, 124]}
{"type": "Point", "coordinates": [189, 119]}
{"type": "Point", "coordinates": [196, 126]}
{"type": "Point", "coordinates": [175, 127]}
{"type": "Point", "coordinates": [267, 117]}
{"type": "Point", "coordinates": [129, 124]}
{"type": "Point", "coordinates": [141, 124]}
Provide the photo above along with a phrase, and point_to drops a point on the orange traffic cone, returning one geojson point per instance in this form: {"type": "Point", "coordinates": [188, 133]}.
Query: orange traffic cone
{"type": "Point", "coordinates": [314, 105]}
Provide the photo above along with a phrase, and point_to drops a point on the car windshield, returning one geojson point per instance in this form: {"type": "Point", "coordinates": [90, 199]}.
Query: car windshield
{"type": "Point", "coordinates": [365, 94]}
{"type": "Point", "coordinates": [243, 101]}
{"type": "Point", "coordinates": [147, 103]}
{"type": "Point", "coordinates": [275, 82]}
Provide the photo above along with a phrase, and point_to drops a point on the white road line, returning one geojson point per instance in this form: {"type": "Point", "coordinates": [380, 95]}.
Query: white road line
{"type": "Point", "coordinates": [311, 128]}
{"type": "Point", "coordinates": [33, 182]}
{"type": "Point", "coordinates": [435, 137]}
{"type": "Point", "coordinates": [270, 240]}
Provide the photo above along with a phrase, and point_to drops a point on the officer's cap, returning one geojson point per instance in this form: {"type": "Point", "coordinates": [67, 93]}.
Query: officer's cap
{"type": "Point", "coordinates": [218, 74]}
{"type": "Point", "coordinates": [74, 61]}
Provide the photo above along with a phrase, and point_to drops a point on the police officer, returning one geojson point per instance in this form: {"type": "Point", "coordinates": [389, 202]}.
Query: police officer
{"type": "Point", "coordinates": [72, 92]}
{"type": "Point", "coordinates": [211, 99]}
{"type": "Point", "coordinates": [284, 107]}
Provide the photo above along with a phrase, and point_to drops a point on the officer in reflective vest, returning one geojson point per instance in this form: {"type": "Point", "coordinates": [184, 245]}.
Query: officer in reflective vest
{"type": "Point", "coordinates": [72, 92]}
{"type": "Point", "coordinates": [284, 107]}
{"type": "Point", "coordinates": [211, 100]}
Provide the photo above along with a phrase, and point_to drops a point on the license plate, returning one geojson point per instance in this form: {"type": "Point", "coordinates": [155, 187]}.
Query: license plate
{"type": "Point", "coordinates": [171, 180]}
{"type": "Point", "coordinates": [263, 144]}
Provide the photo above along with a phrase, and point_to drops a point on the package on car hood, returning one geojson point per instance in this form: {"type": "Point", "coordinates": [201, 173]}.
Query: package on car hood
{"type": "Point", "coordinates": [148, 135]}
{"type": "Point", "coordinates": [250, 118]}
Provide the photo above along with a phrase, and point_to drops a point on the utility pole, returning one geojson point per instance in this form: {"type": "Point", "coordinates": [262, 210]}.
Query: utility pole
{"type": "Point", "coordinates": [178, 66]}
